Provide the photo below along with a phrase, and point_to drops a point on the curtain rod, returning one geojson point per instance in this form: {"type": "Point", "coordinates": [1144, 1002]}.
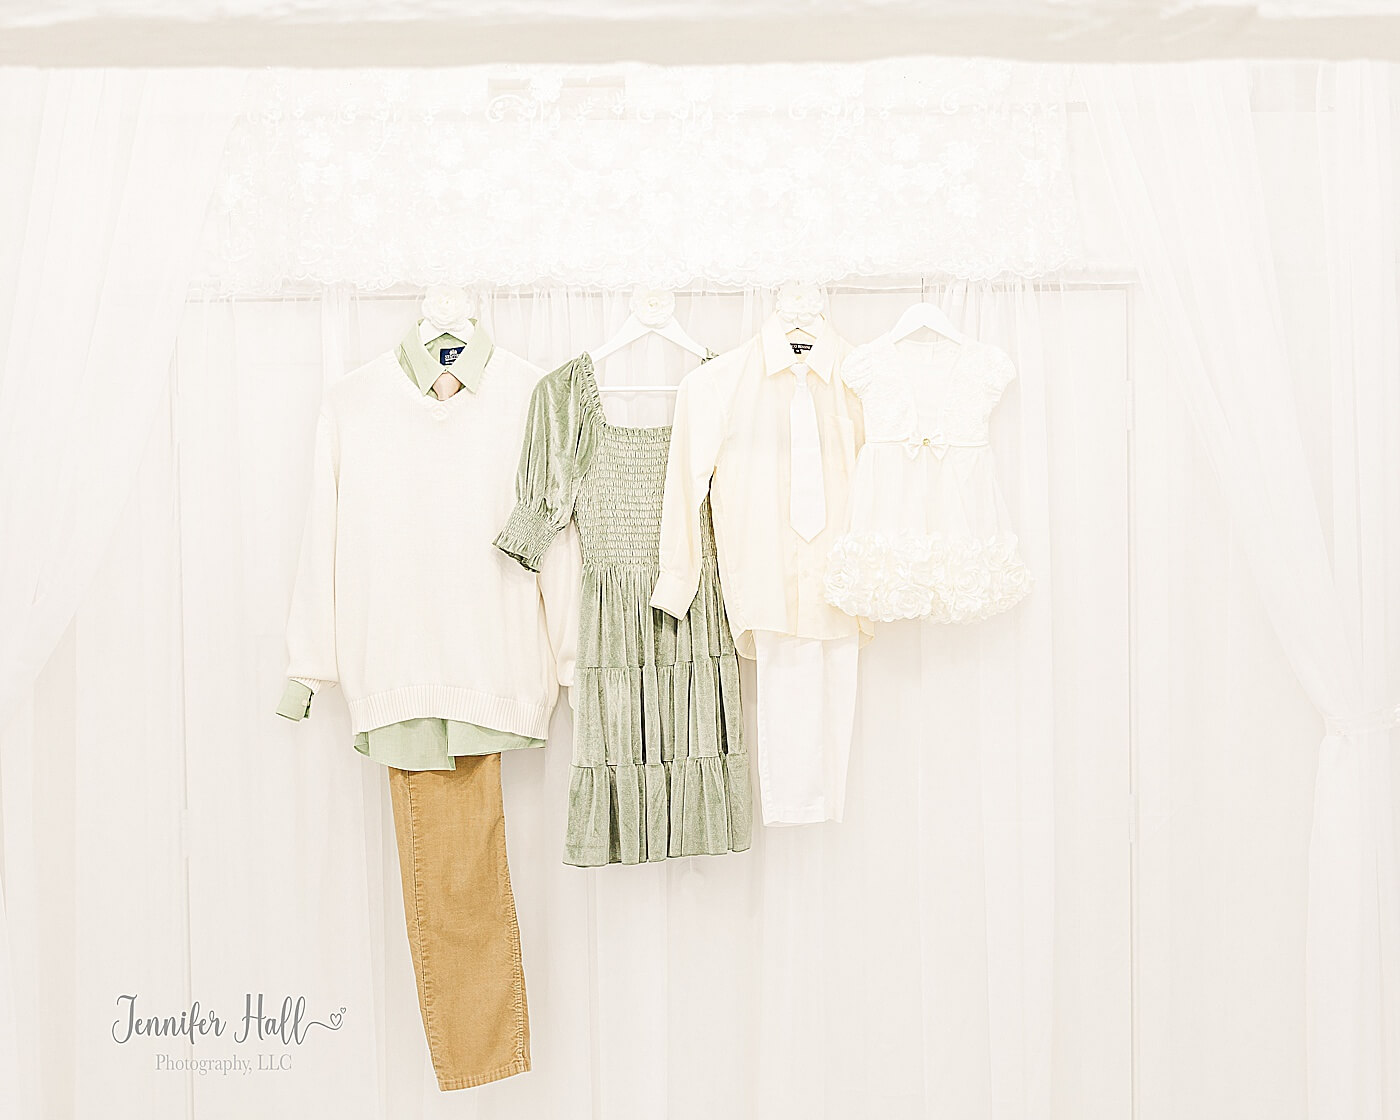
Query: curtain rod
{"type": "Point", "coordinates": [1113, 282]}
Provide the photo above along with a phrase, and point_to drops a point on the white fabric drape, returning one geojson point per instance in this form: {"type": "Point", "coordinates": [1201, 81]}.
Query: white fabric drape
{"type": "Point", "coordinates": [1354, 907]}
{"type": "Point", "coordinates": [12, 1096]}
{"type": "Point", "coordinates": [910, 959]}
{"type": "Point", "coordinates": [112, 178]}
{"type": "Point", "coordinates": [104, 188]}
{"type": "Point", "coordinates": [1180, 147]}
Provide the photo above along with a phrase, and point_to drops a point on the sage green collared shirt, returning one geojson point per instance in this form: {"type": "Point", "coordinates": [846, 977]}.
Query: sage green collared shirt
{"type": "Point", "coordinates": [424, 368]}
{"type": "Point", "coordinates": [429, 743]}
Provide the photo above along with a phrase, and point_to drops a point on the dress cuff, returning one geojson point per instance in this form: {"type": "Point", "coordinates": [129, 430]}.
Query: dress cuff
{"type": "Point", "coordinates": [526, 536]}
{"type": "Point", "coordinates": [296, 701]}
{"type": "Point", "coordinates": [672, 594]}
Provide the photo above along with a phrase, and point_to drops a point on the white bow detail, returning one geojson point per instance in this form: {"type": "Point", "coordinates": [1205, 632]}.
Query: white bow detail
{"type": "Point", "coordinates": [935, 441]}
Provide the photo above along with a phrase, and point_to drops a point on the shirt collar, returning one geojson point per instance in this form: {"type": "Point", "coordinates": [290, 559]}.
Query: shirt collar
{"type": "Point", "coordinates": [779, 355]}
{"type": "Point", "coordinates": [424, 369]}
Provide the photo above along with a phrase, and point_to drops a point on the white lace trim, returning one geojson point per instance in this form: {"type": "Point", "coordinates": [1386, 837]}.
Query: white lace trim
{"type": "Point", "coordinates": [911, 575]}
{"type": "Point", "coordinates": [664, 177]}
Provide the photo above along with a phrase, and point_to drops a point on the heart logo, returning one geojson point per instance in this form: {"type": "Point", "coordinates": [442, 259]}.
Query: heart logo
{"type": "Point", "coordinates": [336, 1018]}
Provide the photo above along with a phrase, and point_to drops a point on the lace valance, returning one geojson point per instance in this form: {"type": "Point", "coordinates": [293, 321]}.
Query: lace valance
{"type": "Point", "coordinates": [730, 176]}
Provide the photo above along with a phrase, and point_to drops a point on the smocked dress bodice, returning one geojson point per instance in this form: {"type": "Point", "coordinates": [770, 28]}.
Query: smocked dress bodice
{"type": "Point", "coordinates": [618, 511]}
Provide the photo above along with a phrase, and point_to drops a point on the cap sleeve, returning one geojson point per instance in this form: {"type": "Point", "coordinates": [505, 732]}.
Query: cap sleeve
{"type": "Point", "coordinates": [559, 437]}
{"type": "Point", "coordinates": [1001, 371]}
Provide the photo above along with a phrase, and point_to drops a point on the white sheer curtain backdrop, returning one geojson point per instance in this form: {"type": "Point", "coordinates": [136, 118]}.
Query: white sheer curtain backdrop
{"type": "Point", "coordinates": [103, 191]}
{"type": "Point", "coordinates": [969, 942]}
{"type": "Point", "coordinates": [1354, 918]}
{"type": "Point", "coordinates": [958, 946]}
{"type": "Point", "coordinates": [1181, 151]}
{"type": "Point", "coordinates": [110, 180]}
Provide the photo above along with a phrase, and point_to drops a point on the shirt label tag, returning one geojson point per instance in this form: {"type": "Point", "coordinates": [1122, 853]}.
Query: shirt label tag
{"type": "Point", "coordinates": [800, 347]}
{"type": "Point", "coordinates": [448, 354]}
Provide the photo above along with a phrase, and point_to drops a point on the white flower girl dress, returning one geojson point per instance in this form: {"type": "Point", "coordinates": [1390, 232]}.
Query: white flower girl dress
{"type": "Point", "coordinates": [928, 535]}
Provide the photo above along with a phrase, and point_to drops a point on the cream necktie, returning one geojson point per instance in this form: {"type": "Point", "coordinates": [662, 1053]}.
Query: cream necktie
{"type": "Point", "coordinates": [807, 508]}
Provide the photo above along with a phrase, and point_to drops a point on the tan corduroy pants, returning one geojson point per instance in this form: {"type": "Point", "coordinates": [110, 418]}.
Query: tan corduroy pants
{"type": "Point", "coordinates": [451, 831]}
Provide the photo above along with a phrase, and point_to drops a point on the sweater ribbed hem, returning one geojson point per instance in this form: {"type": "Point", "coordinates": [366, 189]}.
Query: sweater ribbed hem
{"type": "Point", "coordinates": [424, 701]}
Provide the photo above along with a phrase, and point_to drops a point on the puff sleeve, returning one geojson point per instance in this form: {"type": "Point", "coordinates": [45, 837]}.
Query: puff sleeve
{"type": "Point", "coordinates": [560, 433]}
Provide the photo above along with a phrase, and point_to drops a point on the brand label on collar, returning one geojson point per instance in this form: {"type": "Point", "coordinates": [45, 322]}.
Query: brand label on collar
{"type": "Point", "coordinates": [800, 347]}
{"type": "Point", "coordinates": [448, 354]}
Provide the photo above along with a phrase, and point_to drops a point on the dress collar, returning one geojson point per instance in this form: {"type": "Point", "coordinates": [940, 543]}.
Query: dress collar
{"type": "Point", "coordinates": [424, 369]}
{"type": "Point", "coordinates": [778, 353]}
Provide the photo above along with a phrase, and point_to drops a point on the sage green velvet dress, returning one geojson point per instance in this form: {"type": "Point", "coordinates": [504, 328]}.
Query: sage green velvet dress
{"type": "Point", "coordinates": [659, 766]}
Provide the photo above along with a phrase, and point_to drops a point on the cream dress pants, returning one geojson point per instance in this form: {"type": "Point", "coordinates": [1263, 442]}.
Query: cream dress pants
{"type": "Point", "coordinates": [806, 714]}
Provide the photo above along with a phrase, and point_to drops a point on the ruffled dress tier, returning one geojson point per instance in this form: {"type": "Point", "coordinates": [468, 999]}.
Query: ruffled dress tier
{"type": "Point", "coordinates": [659, 765]}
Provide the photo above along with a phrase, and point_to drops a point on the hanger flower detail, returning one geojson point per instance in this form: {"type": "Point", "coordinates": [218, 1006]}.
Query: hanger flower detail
{"type": "Point", "coordinates": [446, 307]}
{"type": "Point", "coordinates": [799, 304]}
{"type": "Point", "coordinates": [652, 307]}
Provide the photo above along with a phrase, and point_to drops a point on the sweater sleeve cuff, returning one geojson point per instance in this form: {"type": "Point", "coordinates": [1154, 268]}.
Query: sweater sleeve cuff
{"type": "Point", "coordinates": [672, 594]}
{"type": "Point", "coordinates": [526, 536]}
{"type": "Point", "coordinates": [296, 701]}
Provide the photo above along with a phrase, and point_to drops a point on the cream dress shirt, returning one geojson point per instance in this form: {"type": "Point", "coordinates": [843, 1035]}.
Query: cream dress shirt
{"type": "Point", "coordinates": [730, 440]}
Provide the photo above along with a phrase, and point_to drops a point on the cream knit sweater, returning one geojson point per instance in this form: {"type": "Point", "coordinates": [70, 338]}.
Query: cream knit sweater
{"type": "Point", "coordinates": [400, 596]}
